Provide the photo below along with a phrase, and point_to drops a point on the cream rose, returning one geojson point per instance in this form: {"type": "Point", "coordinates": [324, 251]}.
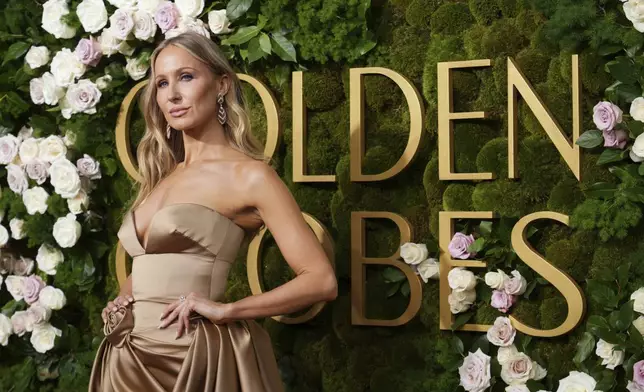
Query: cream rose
{"type": "Point", "coordinates": [638, 298]}
{"type": "Point", "coordinates": [35, 200]}
{"type": "Point", "coordinates": [428, 269]}
{"type": "Point", "coordinates": [48, 259]}
{"type": "Point", "coordinates": [136, 68]}
{"type": "Point", "coordinates": [517, 388]}
{"type": "Point", "coordinates": [17, 228]}
{"type": "Point", "coordinates": [51, 148]}
{"type": "Point", "coordinates": [501, 333]}
{"type": "Point", "coordinates": [123, 3]}
{"type": "Point", "coordinates": [81, 97]}
{"type": "Point", "coordinates": [577, 382]}
{"type": "Point", "coordinates": [460, 279]}
{"type": "Point", "coordinates": [9, 146]}
{"type": "Point", "coordinates": [79, 203]}
{"type": "Point", "coordinates": [4, 236]}
{"type": "Point", "coordinates": [6, 329]}
{"type": "Point", "coordinates": [21, 323]}
{"type": "Point", "coordinates": [611, 358]}
{"type": "Point", "coordinates": [52, 298]}
{"type": "Point", "coordinates": [25, 133]}
{"type": "Point", "coordinates": [218, 22]}
{"type": "Point", "coordinates": [52, 12]}
{"type": "Point", "coordinates": [28, 150]}
{"type": "Point", "coordinates": [145, 28]}
{"type": "Point", "coordinates": [103, 82]}
{"type": "Point", "coordinates": [634, 11]}
{"type": "Point", "coordinates": [460, 301]}
{"type": "Point", "coordinates": [43, 337]}
{"type": "Point", "coordinates": [189, 24]}
{"type": "Point", "coordinates": [52, 92]}
{"type": "Point", "coordinates": [67, 231]}
{"type": "Point", "coordinates": [639, 324]}
{"type": "Point", "coordinates": [475, 372]}
{"type": "Point", "coordinates": [496, 280]}
{"type": "Point", "coordinates": [66, 67]}
{"type": "Point", "coordinates": [37, 56]}
{"type": "Point", "coordinates": [15, 284]}
{"type": "Point", "coordinates": [92, 15]}
{"type": "Point", "coordinates": [65, 178]}
{"type": "Point", "coordinates": [149, 6]}
{"type": "Point", "coordinates": [517, 369]}
{"type": "Point", "coordinates": [38, 314]}
{"type": "Point", "coordinates": [189, 8]}
{"type": "Point", "coordinates": [516, 285]}
{"type": "Point", "coordinates": [413, 253]}
{"type": "Point", "coordinates": [16, 178]}
{"type": "Point", "coordinates": [637, 151]}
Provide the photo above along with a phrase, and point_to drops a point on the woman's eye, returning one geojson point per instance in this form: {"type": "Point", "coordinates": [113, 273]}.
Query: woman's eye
{"type": "Point", "coordinates": [186, 75]}
{"type": "Point", "coordinates": [161, 83]}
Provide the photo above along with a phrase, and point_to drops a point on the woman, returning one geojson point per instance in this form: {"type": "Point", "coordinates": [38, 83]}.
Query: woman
{"type": "Point", "coordinates": [205, 185]}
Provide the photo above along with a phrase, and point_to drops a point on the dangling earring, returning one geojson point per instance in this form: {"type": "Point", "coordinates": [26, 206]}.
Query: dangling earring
{"type": "Point", "coordinates": [167, 132]}
{"type": "Point", "coordinates": [221, 113]}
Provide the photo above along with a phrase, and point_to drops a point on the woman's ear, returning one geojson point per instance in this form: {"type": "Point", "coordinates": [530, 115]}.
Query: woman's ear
{"type": "Point", "coordinates": [224, 84]}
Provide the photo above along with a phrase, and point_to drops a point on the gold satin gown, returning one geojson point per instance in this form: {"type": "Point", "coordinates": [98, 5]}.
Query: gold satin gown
{"type": "Point", "coordinates": [190, 247]}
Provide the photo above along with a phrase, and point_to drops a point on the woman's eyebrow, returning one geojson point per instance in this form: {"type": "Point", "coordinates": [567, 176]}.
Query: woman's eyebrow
{"type": "Point", "coordinates": [177, 71]}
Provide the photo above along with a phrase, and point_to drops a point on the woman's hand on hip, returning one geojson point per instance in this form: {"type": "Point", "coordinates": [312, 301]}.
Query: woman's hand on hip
{"type": "Point", "coordinates": [121, 300]}
{"type": "Point", "coordinates": [216, 312]}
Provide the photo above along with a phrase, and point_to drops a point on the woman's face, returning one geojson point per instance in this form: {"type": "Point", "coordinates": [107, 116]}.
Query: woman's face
{"type": "Point", "coordinates": [186, 89]}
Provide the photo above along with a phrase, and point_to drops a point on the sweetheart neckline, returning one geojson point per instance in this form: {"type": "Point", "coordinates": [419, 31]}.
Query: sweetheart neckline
{"type": "Point", "coordinates": [144, 246]}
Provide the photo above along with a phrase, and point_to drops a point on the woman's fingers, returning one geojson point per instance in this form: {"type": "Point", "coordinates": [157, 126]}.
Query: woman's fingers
{"type": "Point", "coordinates": [184, 321]}
{"type": "Point", "coordinates": [166, 320]}
{"type": "Point", "coordinates": [169, 309]}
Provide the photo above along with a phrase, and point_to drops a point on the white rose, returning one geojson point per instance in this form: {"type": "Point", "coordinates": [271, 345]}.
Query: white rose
{"type": "Point", "coordinates": [517, 369]}
{"type": "Point", "coordinates": [516, 285]}
{"type": "Point", "coordinates": [637, 151]}
{"type": "Point", "coordinates": [496, 280]}
{"type": "Point", "coordinates": [52, 298]}
{"type": "Point", "coordinates": [634, 387]}
{"type": "Point", "coordinates": [538, 372]}
{"type": "Point", "coordinates": [37, 170]}
{"type": "Point", "coordinates": [121, 23]}
{"type": "Point", "coordinates": [25, 133]}
{"type": "Point", "coordinates": [145, 28]}
{"type": "Point", "coordinates": [5, 329]}
{"type": "Point", "coordinates": [66, 67]}
{"type": "Point", "coordinates": [28, 150]}
{"type": "Point", "coordinates": [81, 97]}
{"type": "Point", "coordinates": [79, 203]}
{"type": "Point", "coordinates": [51, 148]}
{"type": "Point", "coordinates": [123, 3]}
{"type": "Point", "coordinates": [16, 178]}
{"type": "Point", "coordinates": [189, 24]}
{"type": "Point", "coordinates": [1, 216]}
{"type": "Point", "coordinates": [38, 314]}
{"type": "Point", "coordinates": [467, 296]}
{"type": "Point", "coordinates": [136, 68]}
{"type": "Point", "coordinates": [634, 11]}
{"type": "Point", "coordinates": [103, 82]}
{"type": "Point", "coordinates": [149, 6]}
{"type": "Point", "coordinates": [639, 324]}
{"type": "Point", "coordinates": [4, 236]}
{"type": "Point", "coordinates": [67, 231]}
{"type": "Point", "coordinates": [577, 382]}
{"type": "Point", "coordinates": [52, 12]}
{"type": "Point", "coordinates": [218, 22]}
{"type": "Point", "coordinates": [37, 56]}
{"type": "Point", "coordinates": [21, 323]}
{"type": "Point", "coordinates": [461, 279]}
{"type": "Point", "coordinates": [413, 253]}
{"type": "Point", "coordinates": [17, 228]}
{"type": "Point", "coordinates": [637, 109]}
{"type": "Point", "coordinates": [457, 306]}
{"type": "Point", "coordinates": [428, 269]}
{"type": "Point", "coordinates": [638, 297]}
{"type": "Point", "coordinates": [48, 259]}
{"type": "Point", "coordinates": [501, 333]}
{"type": "Point", "coordinates": [92, 15]}
{"type": "Point", "coordinates": [9, 146]}
{"type": "Point", "coordinates": [65, 178]}
{"type": "Point", "coordinates": [52, 92]}
{"type": "Point", "coordinates": [517, 388]}
{"type": "Point", "coordinates": [475, 372]}
{"type": "Point", "coordinates": [15, 285]}
{"type": "Point", "coordinates": [35, 200]}
{"type": "Point", "coordinates": [611, 358]}
{"type": "Point", "coordinates": [36, 91]}
{"type": "Point", "coordinates": [189, 8]}
{"type": "Point", "coordinates": [109, 43]}
{"type": "Point", "coordinates": [44, 336]}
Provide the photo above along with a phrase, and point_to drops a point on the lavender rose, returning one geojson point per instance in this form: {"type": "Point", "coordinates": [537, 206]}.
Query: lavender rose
{"type": "Point", "coordinates": [167, 16]}
{"type": "Point", "coordinates": [16, 178]}
{"type": "Point", "coordinates": [606, 115]}
{"type": "Point", "coordinates": [638, 376]}
{"type": "Point", "coordinates": [89, 51]}
{"type": "Point", "coordinates": [121, 23]}
{"type": "Point", "coordinates": [459, 244]}
{"type": "Point", "coordinates": [9, 146]}
{"type": "Point", "coordinates": [81, 97]}
{"type": "Point", "coordinates": [475, 372]}
{"type": "Point", "coordinates": [502, 300]}
{"type": "Point", "coordinates": [21, 323]}
{"type": "Point", "coordinates": [615, 138]}
{"type": "Point", "coordinates": [38, 313]}
{"type": "Point", "coordinates": [89, 167]}
{"type": "Point", "coordinates": [31, 290]}
{"type": "Point", "coordinates": [516, 285]}
{"type": "Point", "coordinates": [501, 333]}
{"type": "Point", "coordinates": [37, 170]}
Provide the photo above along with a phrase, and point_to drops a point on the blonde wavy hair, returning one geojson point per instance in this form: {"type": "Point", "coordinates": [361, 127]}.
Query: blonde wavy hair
{"type": "Point", "coordinates": [158, 156]}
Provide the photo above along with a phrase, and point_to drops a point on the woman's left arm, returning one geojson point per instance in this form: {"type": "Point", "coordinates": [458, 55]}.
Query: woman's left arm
{"type": "Point", "coordinates": [315, 279]}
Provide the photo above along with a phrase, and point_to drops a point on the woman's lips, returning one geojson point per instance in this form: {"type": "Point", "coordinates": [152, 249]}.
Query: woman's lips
{"type": "Point", "coordinates": [179, 113]}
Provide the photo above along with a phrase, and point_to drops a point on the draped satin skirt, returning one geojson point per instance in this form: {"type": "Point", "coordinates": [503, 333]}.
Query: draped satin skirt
{"type": "Point", "coordinates": [232, 357]}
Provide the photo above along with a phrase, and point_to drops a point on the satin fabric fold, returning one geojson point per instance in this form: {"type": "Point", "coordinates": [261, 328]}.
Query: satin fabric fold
{"type": "Point", "coordinates": [182, 256]}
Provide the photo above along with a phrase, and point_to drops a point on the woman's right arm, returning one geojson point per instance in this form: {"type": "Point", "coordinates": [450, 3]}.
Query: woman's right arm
{"type": "Point", "coordinates": [124, 298]}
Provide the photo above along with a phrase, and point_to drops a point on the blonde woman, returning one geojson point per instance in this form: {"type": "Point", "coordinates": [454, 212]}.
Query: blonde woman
{"type": "Point", "coordinates": [205, 187]}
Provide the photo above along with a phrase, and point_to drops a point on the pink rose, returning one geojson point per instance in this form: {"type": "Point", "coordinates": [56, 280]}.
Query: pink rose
{"type": "Point", "coordinates": [21, 323]}
{"type": "Point", "coordinates": [89, 51]}
{"type": "Point", "coordinates": [606, 115]}
{"type": "Point", "coordinates": [638, 373]}
{"type": "Point", "coordinates": [475, 372]}
{"type": "Point", "coordinates": [502, 300]}
{"type": "Point", "coordinates": [32, 287]}
{"type": "Point", "coordinates": [459, 244]}
{"type": "Point", "coordinates": [616, 138]}
{"type": "Point", "coordinates": [166, 16]}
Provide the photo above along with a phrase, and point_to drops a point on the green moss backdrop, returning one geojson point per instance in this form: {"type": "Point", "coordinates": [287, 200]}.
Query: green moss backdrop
{"type": "Point", "coordinates": [328, 353]}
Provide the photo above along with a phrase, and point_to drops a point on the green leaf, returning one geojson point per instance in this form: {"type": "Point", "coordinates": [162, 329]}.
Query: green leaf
{"type": "Point", "coordinates": [601, 190]}
{"type": "Point", "coordinates": [485, 227]}
{"type": "Point", "coordinates": [405, 289]}
{"type": "Point", "coordinates": [255, 52]}
{"type": "Point", "coordinates": [590, 139]}
{"type": "Point", "coordinates": [623, 69]}
{"type": "Point", "coordinates": [457, 345]}
{"type": "Point", "coordinates": [635, 193]}
{"type": "Point", "coordinates": [623, 174]}
{"type": "Point", "coordinates": [265, 43]}
{"type": "Point", "coordinates": [531, 286]}
{"type": "Point", "coordinates": [585, 347]}
{"type": "Point", "coordinates": [237, 8]}
{"type": "Point", "coordinates": [15, 51]}
{"type": "Point", "coordinates": [535, 386]}
{"type": "Point", "coordinates": [110, 166]}
{"type": "Point", "coordinates": [628, 92]}
{"type": "Point", "coordinates": [461, 320]}
{"type": "Point", "coordinates": [242, 35]}
{"type": "Point", "coordinates": [625, 316]}
{"type": "Point", "coordinates": [393, 275]}
{"type": "Point", "coordinates": [393, 289]}
{"type": "Point", "coordinates": [640, 169]}
{"type": "Point", "coordinates": [623, 274]}
{"type": "Point", "coordinates": [610, 155]}
{"type": "Point", "coordinates": [283, 47]}
{"type": "Point", "coordinates": [605, 50]}
{"type": "Point", "coordinates": [636, 339]}
{"type": "Point", "coordinates": [477, 246]}
{"type": "Point", "coordinates": [481, 343]}
{"type": "Point", "coordinates": [635, 128]}
{"type": "Point", "coordinates": [602, 294]}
